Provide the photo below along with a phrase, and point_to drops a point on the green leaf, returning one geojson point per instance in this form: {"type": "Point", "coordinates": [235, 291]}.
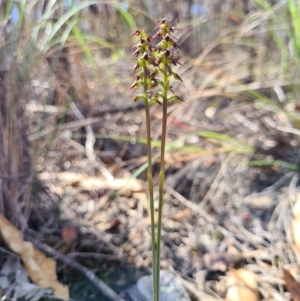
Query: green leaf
{"type": "Point", "coordinates": [274, 163]}
{"type": "Point", "coordinates": [127, 16]}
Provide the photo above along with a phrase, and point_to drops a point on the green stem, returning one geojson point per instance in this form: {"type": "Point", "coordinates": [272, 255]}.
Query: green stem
{"type": "Point", "coordinates": [161, 180]}
{"type": "Point", "coordinates": [151, 197]}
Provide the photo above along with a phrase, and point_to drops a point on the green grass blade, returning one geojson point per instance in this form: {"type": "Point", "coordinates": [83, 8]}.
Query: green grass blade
{"type": "Point", "coordinates": [126, 15]}
{"type": "Point", "coordinates": [274, 163]}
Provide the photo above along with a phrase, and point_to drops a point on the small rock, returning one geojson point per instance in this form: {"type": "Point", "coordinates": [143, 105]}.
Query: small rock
{"type": "Point", "coordinates": [171, 288]}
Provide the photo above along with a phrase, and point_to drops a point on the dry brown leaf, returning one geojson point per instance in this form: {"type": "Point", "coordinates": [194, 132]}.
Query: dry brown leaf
{"type": "Point", "coordinates": [181, 213]}
{"type": "Point", "coordinates": [291, 285]}
{"type": "Point", "coordinates": [142, 197]}
{"type": "Point", "coordinates": [261, 202]}
{"type": "Point", "coordinates": [92, 183]}
{"type": "Point", "coordinates": [41, 269]}
{"type": "Point", "coordinates": [294, 271]}
{"type": "Point", "coordinates": [241, 285]}
{"type": "Point", "coordinates": [109, 224]}
{"type": "Point", "coordinates": [220, 261]}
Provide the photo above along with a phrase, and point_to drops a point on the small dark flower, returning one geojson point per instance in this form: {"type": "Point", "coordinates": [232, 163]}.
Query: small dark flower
{"type": "Point", "coordinates": [136, 53]}
{"type": "Point", "coordinates": [176, 46]}
{"type": "Point", "coordinates": [161, 21]}
{"type": "Point", "coordinates": [157, 35]}
{"type": "Point", "coordinates": [136, 33]}
{"type": "Point", "coordinates": [179, 98]}
{"type": "Point", "coordinates": [176, 76]}
{"type": "Point", "coordinates": [148, 57]}
{"type": "Point", "coordinates": [155, 99]}
{"type": "Point", "coordinates": [139, 97]}
{"type": "Point", "coordinates": [154, 73]}
{"type": "Point", "coordinates": [175, 60]}
{"type": "Point", "coordinates": [158, 61]}
{"type": "Point", "coordinates": [175, 97]}
{"type": "Point", "coordinates": [142, 43]}
{"type": "Point", "coordinates": [140, 33]}
{"type": "Point", "coordinates": [154, 83]}
{"type": "Point", "coordinates": [168, 38]}
{"type": "Point", "coordinates": [167, 52]}
{"type": "Point", "coordinates": [145, 56]}
{"type": "Point", "coordinates": [134, 85]}
{"type": "Point", "coordinates": [137, 66]}
{"type": "Point", "coordinates": [137, 77]}
{"type": "Point", "coordinates": [146, 72]}
{"type": "Point", "coordinates": [173, 28]}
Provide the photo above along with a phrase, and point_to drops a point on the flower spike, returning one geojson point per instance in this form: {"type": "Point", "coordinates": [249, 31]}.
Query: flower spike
{"type": "Point", "coordinates": [154, 62]}
{"type": "Point", "coordinates": [155, 75]}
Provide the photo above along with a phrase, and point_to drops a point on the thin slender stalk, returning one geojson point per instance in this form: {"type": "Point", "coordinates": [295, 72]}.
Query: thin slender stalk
{"type": "Point", "coordinates": [151, 197]}
{"type": "Point", "coordinates": [161, 181]}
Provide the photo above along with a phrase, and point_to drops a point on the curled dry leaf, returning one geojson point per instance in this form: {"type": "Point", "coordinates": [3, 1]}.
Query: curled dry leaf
{"type": "Point", "coordinates": [41, 269]}
{"type": "Point", "coordinates": [291, 285]}
{"type": "Point", "coordinates": [241, 285]}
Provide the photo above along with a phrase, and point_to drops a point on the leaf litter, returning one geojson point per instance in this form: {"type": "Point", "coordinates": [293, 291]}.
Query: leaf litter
{"type": "Point", "coordinates": [237, 193]}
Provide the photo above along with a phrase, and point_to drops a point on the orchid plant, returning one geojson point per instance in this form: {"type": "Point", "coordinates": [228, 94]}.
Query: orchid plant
{"type": "Point", "coordinates": [154, 75]}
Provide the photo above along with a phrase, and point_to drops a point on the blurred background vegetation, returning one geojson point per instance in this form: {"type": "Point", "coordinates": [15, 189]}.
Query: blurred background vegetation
{"type": "Point", "coordinates": [65, 69]}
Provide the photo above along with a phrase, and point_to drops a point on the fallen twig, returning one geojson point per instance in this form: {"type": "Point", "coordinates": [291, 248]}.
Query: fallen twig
{"type": "Point", "coordinates": [94, 255]}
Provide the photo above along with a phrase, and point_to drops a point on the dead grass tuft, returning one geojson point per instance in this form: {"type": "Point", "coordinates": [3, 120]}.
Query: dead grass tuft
{"type": "Point", "coordinates": [15, 162]}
